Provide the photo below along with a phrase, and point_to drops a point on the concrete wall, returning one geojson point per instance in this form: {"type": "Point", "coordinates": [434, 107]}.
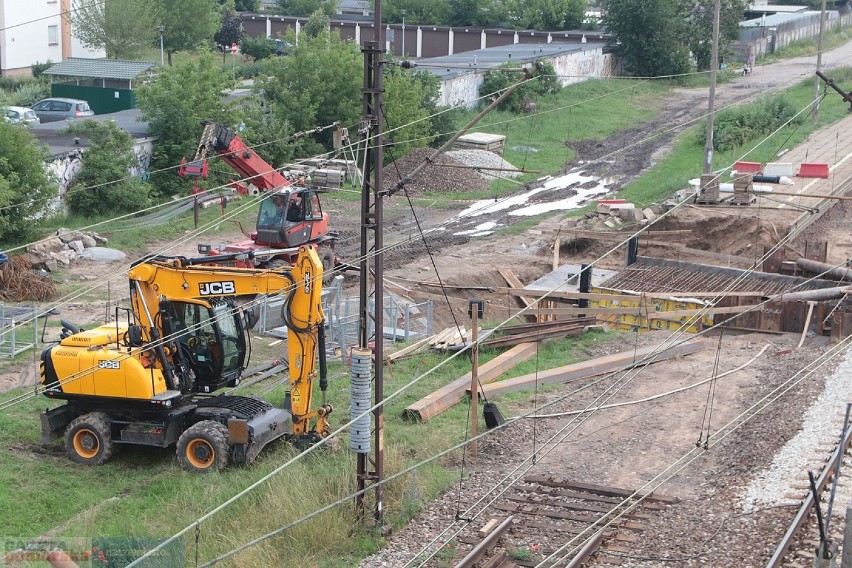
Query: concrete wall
{"type": "Point", "coordinates": [571, 67]}
{"type": "Point", "coordinates": [764, 40]}
{"type": "Point", "coordinates": [65, 167]}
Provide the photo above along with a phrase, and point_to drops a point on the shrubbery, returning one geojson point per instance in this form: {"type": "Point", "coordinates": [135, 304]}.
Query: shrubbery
{"type": "Point", "coordinates": [523, 99]}
{"type": "Point", "coordinates": [737, 126]}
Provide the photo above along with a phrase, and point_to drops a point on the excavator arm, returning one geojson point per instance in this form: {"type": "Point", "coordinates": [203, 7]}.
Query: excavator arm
{"type": "Point", "coordinates": [160, 281]}
{"type": "Point", "coordinates": [231, 149]}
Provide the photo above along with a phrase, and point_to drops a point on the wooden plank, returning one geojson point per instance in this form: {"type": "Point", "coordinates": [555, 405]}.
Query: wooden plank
{"type": "Point", "coordinates": [592, 367]}
{"type": "Point", "coordinates": [451, 394]}
{"type": "Point", "coordinates": [405, 351]}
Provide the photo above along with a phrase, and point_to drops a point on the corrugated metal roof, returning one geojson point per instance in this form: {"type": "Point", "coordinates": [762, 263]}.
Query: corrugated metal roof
{"type": "Point", "coordinates": [776, 19]}
{"type": "Point", "coordinates": [100, 68]}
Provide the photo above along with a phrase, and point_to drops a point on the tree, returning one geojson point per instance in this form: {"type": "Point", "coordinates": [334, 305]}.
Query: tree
{"type": "Point", "coordinates": [103, 185]}
{"type": "Point", "coordinates": [701, 28]}
{"type": "Point", "coordinates": [124, 28]}
{"type": "Point", "coordinates": [230, 32]}
{"type": "Point", "coordinates": [407, 102]}
{"type": "Point", "coordinates": [189, 24]}
{"type": "Point", "coordinates": [317, 24]}
{"type": "Point", "coordinates": [307, 7]}
{"type": "Point", "coordinates": [247, 5]}
{"type": "Point", "coordinates": [174, 104]}
{"type": "Point", "coordinates": [415, 11]}
{"type": "Point", "coordinates": [547, 14]}
{"type": "Point", "coordinates": [474, 13]}
{"type": "Point", "coordinates": [25, 187]}
{"type": "Point", "coordinates": [651, 37]}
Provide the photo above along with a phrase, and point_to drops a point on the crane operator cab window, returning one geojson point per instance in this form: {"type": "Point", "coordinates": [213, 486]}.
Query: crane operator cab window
{"type": "Point", "coordinates": [272, 212]}
{"type": "Point", "coordinates": [212, 341]}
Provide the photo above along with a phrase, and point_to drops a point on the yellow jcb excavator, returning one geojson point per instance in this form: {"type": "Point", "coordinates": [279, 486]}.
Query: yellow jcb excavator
{"type": "Point", "coordinates": [153, 379]}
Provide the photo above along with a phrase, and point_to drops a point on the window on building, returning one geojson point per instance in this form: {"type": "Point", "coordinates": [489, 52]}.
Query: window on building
{"type": "Point", "coordinates": [53, 35]}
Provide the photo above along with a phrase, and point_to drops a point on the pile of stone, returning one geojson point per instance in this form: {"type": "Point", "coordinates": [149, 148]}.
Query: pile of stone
{"type": "Point", "coordinates": [64, 247]}
{"type": "Point", "coordinates": [616, 213]}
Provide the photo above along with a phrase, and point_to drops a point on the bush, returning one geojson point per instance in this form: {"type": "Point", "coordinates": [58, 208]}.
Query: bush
{"type": "Point", "coordinates": [103, 185]}
{"type": "Point", "coordinates": [523, 99]}
{"type": "Point", "coordinates": [738, 126]}
{"type": "Point", "coordinates": [258, 48]}
{"type": "Point", "coordinates": [39, 68]}
{"type": "Point", "coordinates": [27, 94]}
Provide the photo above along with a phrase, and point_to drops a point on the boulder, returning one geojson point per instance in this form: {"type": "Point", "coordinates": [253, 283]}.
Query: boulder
{"type": "Point", "coordinates": [64, 257]}
{"type": "Point", "coordinates": [102, 253]}
{"type": "Point", "coordinates": [649, 214]}
{"type": "Point", "coordinates": [67, 235]}
{"type": "Point", "coordinates": [44, 247]}
{"type": "Point", "coordinates": [603, 209]}
{"type": "Point", "coordinates": [99, 239]}
{"type": "Point", "coordinates": [89, 241]}
{"type": "Point", "coordinates": [76, 246]}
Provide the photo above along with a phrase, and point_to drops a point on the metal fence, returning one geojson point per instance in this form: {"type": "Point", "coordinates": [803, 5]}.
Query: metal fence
{"type": "Point", "coordinates": [402, 320]}
{"type": "Point", "coordinates": [13, 319]}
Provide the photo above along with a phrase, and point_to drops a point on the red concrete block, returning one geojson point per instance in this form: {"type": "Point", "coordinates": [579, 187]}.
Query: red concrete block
{"type": "Point", "coordinates": [748, 167]}
{"type": "Point", "coordinates": [813, 171]}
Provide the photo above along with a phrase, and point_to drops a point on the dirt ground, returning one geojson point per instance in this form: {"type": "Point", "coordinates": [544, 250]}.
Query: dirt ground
{"type": "Point", "coordinates": [627, 446]}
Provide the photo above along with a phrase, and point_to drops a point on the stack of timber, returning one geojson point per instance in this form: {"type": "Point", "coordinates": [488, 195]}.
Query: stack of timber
{"type": "Point", "coordinates": [515, 334]}
{"type": "Point", "coordinates": [451, 339]}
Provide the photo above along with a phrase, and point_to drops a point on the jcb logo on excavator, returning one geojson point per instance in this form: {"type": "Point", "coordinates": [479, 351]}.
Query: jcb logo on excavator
{"type": "Point", "coordinates": [216, 288]}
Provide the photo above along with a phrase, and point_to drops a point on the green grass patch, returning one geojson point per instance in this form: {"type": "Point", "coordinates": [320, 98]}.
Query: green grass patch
{"type": "Point", "coordinates": [142, 492]}
{"type": "Point", "coordinates": [687, 156]}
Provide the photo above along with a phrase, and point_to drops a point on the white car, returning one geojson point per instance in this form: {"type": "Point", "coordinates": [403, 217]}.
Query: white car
{"type": "Point", "coordinates": [21, 115]}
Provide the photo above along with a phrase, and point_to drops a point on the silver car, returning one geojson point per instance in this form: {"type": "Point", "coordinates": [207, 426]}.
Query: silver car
{"type": "Point", "coordinates": [50, 110]}
{"type": "Point", "coordinates": [21, 115]}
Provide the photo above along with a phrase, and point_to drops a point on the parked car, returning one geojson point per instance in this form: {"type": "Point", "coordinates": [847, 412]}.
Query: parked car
{"type": "Point", "coordinates": [21, 115]}
{"type": "Point", "coordinates": [50, 110]}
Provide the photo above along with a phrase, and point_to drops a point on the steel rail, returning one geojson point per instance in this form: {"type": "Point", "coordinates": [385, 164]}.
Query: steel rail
{"type": "Point", "coordinates": [805, 509]}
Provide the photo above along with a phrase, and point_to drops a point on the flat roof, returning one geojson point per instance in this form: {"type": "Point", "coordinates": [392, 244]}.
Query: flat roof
{"type": "Point", "coordinates": [775, 20]}
{"type": "Point", "coordinates": [776, 9]}
{"type": "Point", "coordinates": [100, 68]}
{"type": "Point", "coordinates": [491, 57]}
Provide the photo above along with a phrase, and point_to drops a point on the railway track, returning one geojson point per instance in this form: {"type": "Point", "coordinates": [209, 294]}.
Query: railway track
{"type": "Point", "coordinates": [544, 513]}
{"type": "Point", "coordinates": [798, 548]}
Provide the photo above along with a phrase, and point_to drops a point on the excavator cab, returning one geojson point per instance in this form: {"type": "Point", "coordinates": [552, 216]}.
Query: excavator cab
{"type": "Point", "coordinates": [211, 341]}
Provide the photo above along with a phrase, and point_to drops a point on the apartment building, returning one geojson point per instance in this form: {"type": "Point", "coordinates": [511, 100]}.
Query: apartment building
{"type": "Point", "coordinates": [37, 31]}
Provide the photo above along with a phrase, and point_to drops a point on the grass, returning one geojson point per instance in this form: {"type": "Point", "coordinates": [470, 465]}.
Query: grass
{"type": "Point", "coordinates": [142, 492]}
{"type": "Point", "coordinates": [686, 158]}
{"type": "Point", "coordinates": [804, 47]}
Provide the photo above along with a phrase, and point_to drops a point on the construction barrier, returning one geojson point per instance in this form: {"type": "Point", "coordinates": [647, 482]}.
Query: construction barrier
{"type": "Point", "coordinates": [748, 167]}
{"type": "Point", "coordinates": [813, 171]}
{"type": "Point", "coordinates": [778, 169]}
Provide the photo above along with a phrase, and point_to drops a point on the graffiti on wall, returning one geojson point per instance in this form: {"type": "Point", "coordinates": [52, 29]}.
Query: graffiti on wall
{"type": "Point", "coordinates": [64, 168]}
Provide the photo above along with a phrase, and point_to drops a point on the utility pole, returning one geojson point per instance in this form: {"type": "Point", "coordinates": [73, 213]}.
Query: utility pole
{"type": "Point", "coordinates": [162, 28]}
{"type": "Point", "coordinates": [815, 114]}
{"type": "Point", "coordinates": [714, 67]}
{"type": "Point", "coordinates": [403, 33]}
{"type": "Point", "coordinates": [475, 308]}
{"type": "Point", "coordinates": [371, 231]}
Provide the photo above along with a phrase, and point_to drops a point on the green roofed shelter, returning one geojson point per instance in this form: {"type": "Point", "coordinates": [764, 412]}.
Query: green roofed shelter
{"type": "Point", "coordinates": [107, 84]}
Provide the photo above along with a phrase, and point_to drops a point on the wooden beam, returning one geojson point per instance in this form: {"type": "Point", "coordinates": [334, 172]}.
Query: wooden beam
{"type": "Point", "coordinates": [451, 394]}
{"type": "Point", "coordinates": [592, 367]}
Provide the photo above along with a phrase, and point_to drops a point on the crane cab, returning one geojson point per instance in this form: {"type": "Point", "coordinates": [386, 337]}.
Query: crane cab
{"type": "Point", "coordinates": [290, 218]}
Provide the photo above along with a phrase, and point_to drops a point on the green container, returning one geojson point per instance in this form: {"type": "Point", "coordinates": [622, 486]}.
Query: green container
{"type": "Point", "coordinates": [102, 100]}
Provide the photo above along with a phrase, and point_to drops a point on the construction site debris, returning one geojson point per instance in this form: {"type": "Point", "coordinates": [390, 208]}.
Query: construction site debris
{"type": "Point", "coordinates": [485, 159]}
{"type": "Point", "coordinates": [433, 177]}
{"type": "Point", "coordinates": [60, 250]}
{"type": "Point", "coordinates": [18, 282]}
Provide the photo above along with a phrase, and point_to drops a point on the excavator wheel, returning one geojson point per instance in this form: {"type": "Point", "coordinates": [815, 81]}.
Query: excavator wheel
{"type": "Point", "coordinates": [327, 258]}
{"type": "Point", "coordinates": [203, 447]}
{"type": "Point", "coordinates": [88, 440]}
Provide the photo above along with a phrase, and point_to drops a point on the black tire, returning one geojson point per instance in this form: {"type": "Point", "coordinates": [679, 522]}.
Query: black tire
{"type": "Point", "coordinates": [327, 258]}
{"type": "Point", "coordinates": [88, 440]}
{"type": "Point", "coordinates": [203, 447]}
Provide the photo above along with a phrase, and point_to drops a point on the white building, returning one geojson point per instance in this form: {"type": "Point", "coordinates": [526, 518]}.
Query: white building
{"type": "Point", "coordinates": [35, 31]}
